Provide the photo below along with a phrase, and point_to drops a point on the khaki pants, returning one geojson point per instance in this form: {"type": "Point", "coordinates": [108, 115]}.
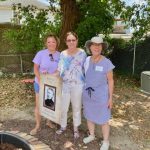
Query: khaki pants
{"type": "Point", "coordinates": [71, 93]}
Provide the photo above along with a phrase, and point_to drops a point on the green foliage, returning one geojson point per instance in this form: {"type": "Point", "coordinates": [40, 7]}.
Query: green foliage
{"type": "Point", "coordinates": [142, 62]}
{"type": "Point", "coordinates": [117, 47]}
{"type": "Point", "coordinates": [97, 17]}
{"type": "Point", "coordinates": [118, 44]}
{"type": "Point", "coordinates": [122, 56]}
{"type": "Point", "coordinates": [35, 25]}
{"type": "Point", "coordinates": [138, 18]}
{"type": "Point", "coordinates": [9, 36]}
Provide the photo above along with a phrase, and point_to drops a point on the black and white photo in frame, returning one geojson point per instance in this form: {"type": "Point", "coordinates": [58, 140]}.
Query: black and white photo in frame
{"type": "Point", "coordinates": [49, 100]}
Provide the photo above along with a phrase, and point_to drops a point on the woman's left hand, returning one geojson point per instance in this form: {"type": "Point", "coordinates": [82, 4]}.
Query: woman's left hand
{"type": "Point", "coordinates": [44, 72]}
{"type": "Point", "coordinates": [110, 103]}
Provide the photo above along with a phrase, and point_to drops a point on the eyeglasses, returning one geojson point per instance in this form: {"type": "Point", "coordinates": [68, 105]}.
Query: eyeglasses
{"type": "Point", "coordinates": [51, 57]}
{"type": "Point", "coordinates": [73, 40]}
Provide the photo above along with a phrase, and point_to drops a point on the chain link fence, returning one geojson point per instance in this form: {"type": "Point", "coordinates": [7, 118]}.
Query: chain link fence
{"type": "Point", "coordinates": [16, 63]}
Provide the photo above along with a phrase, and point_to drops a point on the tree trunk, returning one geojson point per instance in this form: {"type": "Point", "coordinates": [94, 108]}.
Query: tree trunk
{"type": "Point", "coordinates": [70, 18]}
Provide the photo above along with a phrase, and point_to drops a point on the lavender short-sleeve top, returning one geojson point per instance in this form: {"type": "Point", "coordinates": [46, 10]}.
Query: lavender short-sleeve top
{"type": "Point", "coordinates": [45, 63]}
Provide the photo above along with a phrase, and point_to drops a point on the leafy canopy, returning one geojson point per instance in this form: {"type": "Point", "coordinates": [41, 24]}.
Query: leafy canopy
{"type": "Point", "coordinates": [96, 16]}
{"type": "Point", "coordinates": [29, 38]}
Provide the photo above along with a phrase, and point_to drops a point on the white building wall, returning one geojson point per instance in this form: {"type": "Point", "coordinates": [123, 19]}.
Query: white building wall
{"type": "Point", "coordinates": [5, 15]}
{"type": "Point", "coordinates": [6, 12]}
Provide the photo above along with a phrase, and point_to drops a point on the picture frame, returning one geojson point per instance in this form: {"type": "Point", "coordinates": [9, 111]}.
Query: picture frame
{"type": "Point", "coordinates": [50, 96]}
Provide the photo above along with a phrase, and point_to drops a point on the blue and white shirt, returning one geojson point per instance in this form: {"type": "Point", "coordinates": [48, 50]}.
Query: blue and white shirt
{"type": "Point", "coordinates": [71, 67]}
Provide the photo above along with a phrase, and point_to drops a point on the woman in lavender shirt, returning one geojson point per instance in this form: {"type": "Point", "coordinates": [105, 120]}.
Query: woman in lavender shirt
{"type": "Point", "coordinates": [45, 61]}
{"type": "Point", "coordinates": [98, 90]}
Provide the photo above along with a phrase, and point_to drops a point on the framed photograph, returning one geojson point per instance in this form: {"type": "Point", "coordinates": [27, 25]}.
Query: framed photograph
{"type": "Point", "coordinates": [49, 98]}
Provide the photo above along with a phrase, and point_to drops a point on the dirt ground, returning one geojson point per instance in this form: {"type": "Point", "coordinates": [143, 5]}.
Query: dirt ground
{"type": "Point", "coordinates": [130, 123]}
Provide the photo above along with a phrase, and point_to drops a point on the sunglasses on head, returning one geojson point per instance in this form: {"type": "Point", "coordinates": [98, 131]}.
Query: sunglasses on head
{"type": "Point", "coordinates": [51, 57]}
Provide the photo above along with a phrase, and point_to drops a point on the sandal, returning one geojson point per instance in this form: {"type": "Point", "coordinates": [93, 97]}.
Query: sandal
{"type": "Point", "coordinates": [60, 131]}
{"type": "Point", "coordinates": [34, 131]}
{"type": "Point", "coordinates": [88, 139]}
{"type": "Point", "coordinates": [76, 134]}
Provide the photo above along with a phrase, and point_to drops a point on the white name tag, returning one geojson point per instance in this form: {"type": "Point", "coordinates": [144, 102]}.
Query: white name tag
{"type": "Point", "coordinates": [98, 68]}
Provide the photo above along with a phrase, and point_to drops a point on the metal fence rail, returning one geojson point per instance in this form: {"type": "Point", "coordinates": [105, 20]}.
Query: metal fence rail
{"type": "Point", "coordinates": [16, 63]}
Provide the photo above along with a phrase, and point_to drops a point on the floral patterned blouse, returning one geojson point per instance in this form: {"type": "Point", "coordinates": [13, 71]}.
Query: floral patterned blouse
{"type": "Point", "coordinates": [71, 67]}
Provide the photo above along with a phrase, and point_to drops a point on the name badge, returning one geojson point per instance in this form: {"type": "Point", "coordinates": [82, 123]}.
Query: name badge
{"type": "Point", "coordinates": [98, 68]}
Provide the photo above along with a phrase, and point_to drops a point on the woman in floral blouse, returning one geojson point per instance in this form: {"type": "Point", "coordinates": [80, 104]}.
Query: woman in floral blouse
{"type": "Point", "coordinates": [71, 71]}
